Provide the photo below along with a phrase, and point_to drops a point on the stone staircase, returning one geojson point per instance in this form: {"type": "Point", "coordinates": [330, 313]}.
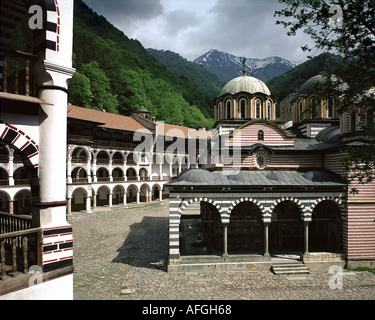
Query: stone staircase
{"type": "Point", "coordinates": [288, 266]}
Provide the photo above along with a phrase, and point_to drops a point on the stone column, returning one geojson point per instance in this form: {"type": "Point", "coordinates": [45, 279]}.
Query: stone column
{"type": "Point", "coordinates": [138, 196]}
{"type": "Point", "coordinates": [266, 242]}
{"type": "Point", "coordinates": [124, 200]}
{"type": "Point", "coordinates": [110, 200]}
{"type": "Point", "coordinates": [69, 206]}
{"type": "Point", "coordinates": [161, 193]}
{"type": "Point", "coordinates": [306, 237]}
{"type": "Point", "coordinates": [11, 206]}
{"type": "Point", "coordinates": [68, 170]}
{"type": "Point", "coordinates": [95, 178]}
{"type": "Point", "coordinates": [10, 163]}
{"type": "Point", "coordinates": [88, 204]}
{"type": "Point", "coordinates": [94, 201]}
{"type": "Point", "coordinates": [225, 240]}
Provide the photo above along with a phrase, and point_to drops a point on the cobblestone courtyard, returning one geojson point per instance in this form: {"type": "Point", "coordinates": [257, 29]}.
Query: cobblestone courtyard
{"type": "Point", "coordinates": [122, 254]}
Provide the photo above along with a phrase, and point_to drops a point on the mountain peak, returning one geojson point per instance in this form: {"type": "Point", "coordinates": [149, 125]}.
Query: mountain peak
{"type": "Point", "coordinates": [227, 66]}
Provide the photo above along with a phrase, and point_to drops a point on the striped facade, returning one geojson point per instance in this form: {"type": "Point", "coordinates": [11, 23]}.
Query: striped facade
{"type": "Point", "coordinates": [260, 132]}
{"type": "Point", "coordinates": [226, 202]}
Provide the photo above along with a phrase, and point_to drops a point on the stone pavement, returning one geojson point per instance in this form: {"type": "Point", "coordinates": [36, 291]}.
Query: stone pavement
{"type": "Point", "coordinates": [121, 254]}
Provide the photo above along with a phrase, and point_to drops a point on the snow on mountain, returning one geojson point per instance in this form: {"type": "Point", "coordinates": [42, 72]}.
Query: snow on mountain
{"type": "Point", "coordinates": [227, 66]}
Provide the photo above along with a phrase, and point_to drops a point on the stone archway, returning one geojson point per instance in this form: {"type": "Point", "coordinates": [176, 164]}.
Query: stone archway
{"type": "Point", "coordinates": [79, 197]}
{"type": "Point", "coordinates": [325, 228]}
{"type": "Point", "coordinates": [201, 230]}
{"type": "Point", "coordinates": [245, 230]}
{"type": "Point", "coordinates": [286, 231]}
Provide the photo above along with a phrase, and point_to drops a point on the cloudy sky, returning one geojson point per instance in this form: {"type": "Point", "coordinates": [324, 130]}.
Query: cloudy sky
{"type": "Point", "coordinates": [193, 27]}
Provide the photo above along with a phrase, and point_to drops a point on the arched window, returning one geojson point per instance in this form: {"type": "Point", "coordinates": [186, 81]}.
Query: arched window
{"type": "Point", "coordinates": [258, 109]}
{"type": "Point", "coordinates": [313, 108]}
{"type": "Point", "coordinates": [219, 111]}
{"type": "Point", "coordinates": [330, 107]}
{"type": "Point", "coordinates": [228, 110]}
{"type": "Point", "coordinates": [269, 110]}
{"type": "Point", "coordinates": [242, 111]}
{"type": "Point", "coordinates": [300, 110]}
{"type": "Point", "coordinates": [260, 135]}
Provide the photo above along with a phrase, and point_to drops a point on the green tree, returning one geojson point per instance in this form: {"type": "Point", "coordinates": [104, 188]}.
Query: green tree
{"type": "Point", "coordinates": [80, 91]}
{"type": "Point", "coordinates": [347, 28]}
{"type": "Point", "coordinates": [100, 88]}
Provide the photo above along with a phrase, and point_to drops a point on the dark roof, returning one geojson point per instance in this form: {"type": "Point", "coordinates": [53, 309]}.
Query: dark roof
{"type": "Point", "coordinates": [201, 177]}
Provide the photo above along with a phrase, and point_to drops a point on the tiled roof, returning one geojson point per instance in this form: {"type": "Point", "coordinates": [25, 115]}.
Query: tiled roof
{"type": "Point", "coordinates": [119, 122]}
{"type": "Point", "coordinates": [106, 119]}
{"type": "Point", "coordinates": [181, 132]}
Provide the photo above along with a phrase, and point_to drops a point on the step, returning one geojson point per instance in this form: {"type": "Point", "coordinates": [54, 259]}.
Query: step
{"type": "Point", "coordinates": [291, 270]}
{"type": "Point", "coordinates": [295, 267]}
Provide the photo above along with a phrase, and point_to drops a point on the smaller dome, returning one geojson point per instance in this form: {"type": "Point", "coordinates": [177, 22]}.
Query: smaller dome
{"type": "Point", "coordinates": [245, 84]}
{"type": "Point", "coordinates": [320, 176]}
{"type": "Point", "coordinates": [308, 86]}
{"type": "Point", "coordinates": [240, 177]}
{"type": "Point", "coordinates": [196, 175]}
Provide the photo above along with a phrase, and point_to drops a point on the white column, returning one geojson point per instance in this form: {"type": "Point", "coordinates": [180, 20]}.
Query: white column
{"type": "Point", "coordinates": [110, 170]}
{"type": "Point", "coordinates": [10, 163]}
{"type": "Point", "coordinates": [110, 199]}
{"type": "Point", "coordinates": [124, 200]}
{"type": "Point", "coordinates": [68, 170]}
{"type": "Point", "coordinates": [88, 165]}
{"type": "Point", "coordinates": [88, 204]}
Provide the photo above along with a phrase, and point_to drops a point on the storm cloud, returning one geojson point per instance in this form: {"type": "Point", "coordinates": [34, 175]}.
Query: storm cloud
{"type": "Point", "coordinates": [193, 27]}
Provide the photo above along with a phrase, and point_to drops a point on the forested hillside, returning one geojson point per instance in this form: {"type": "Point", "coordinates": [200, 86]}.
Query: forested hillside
{"type": "Point", "coordinates": [207, 81]}
{"type": "Point", "coordinates": [292, 80]}
{"type": "Point", "coordinates": [117, 74]}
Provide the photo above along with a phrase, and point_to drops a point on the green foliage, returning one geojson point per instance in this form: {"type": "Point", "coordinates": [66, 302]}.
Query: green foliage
{"type": "Point", "coordinates": [80, 93]}
{"type": "Point", "coordinates": [123, 76]}
{"type": "Point", "coordinates": [206, 80]}
{"type": "Point", "coordinates": [351, 33]}
{"type": "Point", "coordinates": [292, 80]}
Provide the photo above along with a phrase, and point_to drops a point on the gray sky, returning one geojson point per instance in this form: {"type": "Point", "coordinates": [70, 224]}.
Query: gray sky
{"type": "Point", "coordinates": [193, 27]}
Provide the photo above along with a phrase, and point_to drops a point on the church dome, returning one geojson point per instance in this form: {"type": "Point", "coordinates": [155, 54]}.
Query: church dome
{"type": "Point", "coordinates": [309, 86]}
{"type": "Point", "coordinates": [245, 84]}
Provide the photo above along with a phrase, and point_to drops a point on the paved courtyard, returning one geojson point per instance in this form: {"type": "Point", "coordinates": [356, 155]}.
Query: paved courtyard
{"type": "Point", "coordinates": [121, 254]}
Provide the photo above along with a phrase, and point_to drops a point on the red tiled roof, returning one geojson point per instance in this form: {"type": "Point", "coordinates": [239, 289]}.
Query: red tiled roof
{"type": "Point", "coordinates": [106, 119]}
{"type": "Point", "coordinates": [181, 132]}
{"type": "Point", "coordinates": [119, 122]}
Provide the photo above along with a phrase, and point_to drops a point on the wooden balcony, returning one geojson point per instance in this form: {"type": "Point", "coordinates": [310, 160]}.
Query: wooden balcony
{"type": "Point", "coordinates": [15, 71]}
{"type": "Point", "coordinates": [20, 248]}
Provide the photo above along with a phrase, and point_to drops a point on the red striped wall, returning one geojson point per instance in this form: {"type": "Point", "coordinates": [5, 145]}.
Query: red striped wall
{"type": "Point", "coordinates": [249, 136]}
{"type": "Point", "coordinates": [333, 162]}
{"type": "Point", "coordinates": [360, 233]}
{"type": "Point", "coordinates": [288, 161]}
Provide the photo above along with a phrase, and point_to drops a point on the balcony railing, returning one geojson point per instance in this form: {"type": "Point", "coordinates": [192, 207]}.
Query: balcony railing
{"type": "Point", "coordinates": [20, 245]}
{"type": "Point", "coordinates": [15, 71]}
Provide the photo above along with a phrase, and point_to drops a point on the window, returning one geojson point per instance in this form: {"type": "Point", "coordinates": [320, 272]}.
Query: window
{"type": "Point", "coordinates": [300, 111]}
{"type": "Point", "coordinates": [260, 135]}
{"type": "Point", "coordinates": [243, 109]}
{"type": "Point", "coordinates": [331, 107]}
{"type": "Point", "coordinates": [313, 108]}
{"type": "Point", "coordinates": [258, 109]}
{"type": "Point", "coordinates": [228, 107]}
{"type": "Point", "coordinates": [269, 110]}
{"type": "Point", "coordinates": [261, 160]}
